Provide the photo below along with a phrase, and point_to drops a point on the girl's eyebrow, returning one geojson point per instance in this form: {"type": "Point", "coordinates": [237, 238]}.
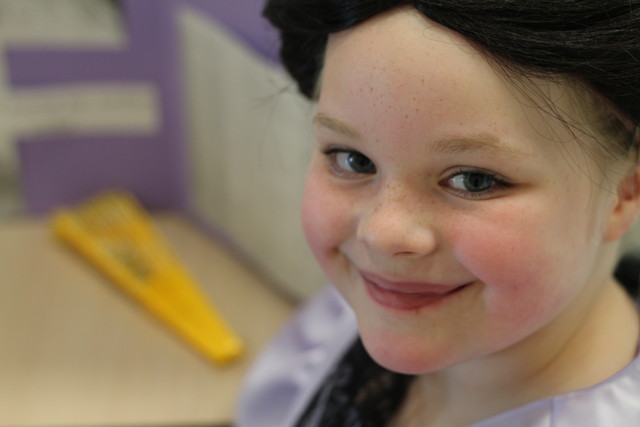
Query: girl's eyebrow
{"type": "Point", "coordinates": [335, 125]}
{"type": "Point", "coordinates": [482, 142]}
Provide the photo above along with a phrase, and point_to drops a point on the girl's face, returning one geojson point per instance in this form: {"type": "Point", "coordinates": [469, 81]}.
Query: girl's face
{"type": "Point", "coordinates": [456, 218]}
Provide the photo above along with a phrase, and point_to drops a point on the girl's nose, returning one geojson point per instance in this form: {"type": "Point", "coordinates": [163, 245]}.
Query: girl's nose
{"type": "Point", "coordinates": [395, 227]}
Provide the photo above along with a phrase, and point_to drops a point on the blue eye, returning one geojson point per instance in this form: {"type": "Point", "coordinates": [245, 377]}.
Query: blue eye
{"type": "Point", "coordinates": [474, 184]}
{"type": "Point", "coordinates": [350, 162]}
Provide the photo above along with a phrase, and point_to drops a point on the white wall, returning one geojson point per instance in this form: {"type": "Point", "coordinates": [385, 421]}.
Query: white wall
{"type": "Point", "coordinates": [249, 146]}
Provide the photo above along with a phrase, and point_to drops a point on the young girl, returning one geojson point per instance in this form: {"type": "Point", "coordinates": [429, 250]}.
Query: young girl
{"type": "Point", "coordinates": [476, 166]}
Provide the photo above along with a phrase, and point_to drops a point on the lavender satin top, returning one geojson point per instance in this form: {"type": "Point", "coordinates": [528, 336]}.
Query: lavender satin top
{"type": "Point", "coordinates": [287, 375]}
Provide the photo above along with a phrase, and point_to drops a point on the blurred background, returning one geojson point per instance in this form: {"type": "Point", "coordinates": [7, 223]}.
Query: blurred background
{"type": "Point", "coordinates": [180, 102]}
{"type": "Point", "coordinates": [183, 104]}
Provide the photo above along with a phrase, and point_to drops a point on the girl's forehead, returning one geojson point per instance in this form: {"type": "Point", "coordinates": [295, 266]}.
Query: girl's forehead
{"type": "Point", "coordinates": [403, 47]}
{"type": "Point", "coordinates": [402, 68]}
{"type": "Point", "coordinates": [401, 43]}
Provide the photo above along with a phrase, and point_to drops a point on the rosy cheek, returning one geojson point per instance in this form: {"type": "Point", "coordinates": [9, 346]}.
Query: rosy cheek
{"type": "Point", "coordinates": [313, 224]}
{"type": "Point", "coordinates": [517, 267]}
{"type": "Point", "coordinates": [324, 220]}
{"type": "Point", "coordinates": [526, 280]}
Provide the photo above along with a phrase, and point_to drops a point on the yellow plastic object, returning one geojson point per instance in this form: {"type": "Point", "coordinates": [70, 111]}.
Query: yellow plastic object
{"type": "Point", "coordinates": [116, 234]}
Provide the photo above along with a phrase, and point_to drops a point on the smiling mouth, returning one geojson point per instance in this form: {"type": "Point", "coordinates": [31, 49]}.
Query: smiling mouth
{"type": "Point", "coordinates": [408, 295]}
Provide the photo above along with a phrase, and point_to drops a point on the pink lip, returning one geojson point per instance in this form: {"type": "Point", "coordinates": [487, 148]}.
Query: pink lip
{"type": "Point", "coordinates": [404, 295]}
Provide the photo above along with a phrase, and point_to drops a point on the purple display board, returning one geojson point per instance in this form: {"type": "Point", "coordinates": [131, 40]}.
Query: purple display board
{"type": "Point", "coordinates": [243, 18]}
{"type": "Point", "coordinates": [64, 169]}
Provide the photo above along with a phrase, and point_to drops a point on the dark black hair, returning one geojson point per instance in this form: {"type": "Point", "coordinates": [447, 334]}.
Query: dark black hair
{"type": "Point", "coordinates": [596, 42]}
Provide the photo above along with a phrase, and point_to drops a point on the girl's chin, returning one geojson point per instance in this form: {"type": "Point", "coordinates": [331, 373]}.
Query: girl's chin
{"type": "Point", "coordinates": [407, 357]}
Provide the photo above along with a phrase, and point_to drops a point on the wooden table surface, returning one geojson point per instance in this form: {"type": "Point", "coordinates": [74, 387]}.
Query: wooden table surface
{"type": "Point", "coordinates": [76, 351]}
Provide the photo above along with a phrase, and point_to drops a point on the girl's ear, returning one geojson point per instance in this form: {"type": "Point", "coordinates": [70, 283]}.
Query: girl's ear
{"type": "Point", "coordinates": [626, 206]}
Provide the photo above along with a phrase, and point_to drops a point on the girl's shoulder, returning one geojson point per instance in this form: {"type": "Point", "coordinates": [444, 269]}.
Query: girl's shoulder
{"type": "Point", "coordinates": [289, 371]}
{"type": "Point", "coordinates": [611, 403]}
